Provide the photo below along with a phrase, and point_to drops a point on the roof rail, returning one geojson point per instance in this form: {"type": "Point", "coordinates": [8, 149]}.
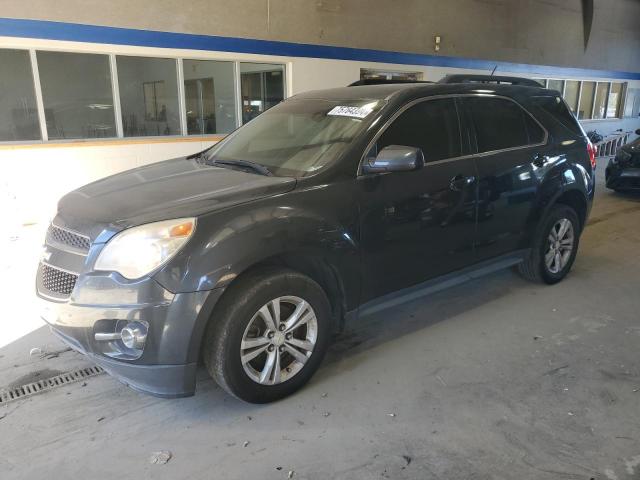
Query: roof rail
{"type": "Point", "coordinates": [463, 78]}
{"type": "Point", "coordinates": [382, 81]}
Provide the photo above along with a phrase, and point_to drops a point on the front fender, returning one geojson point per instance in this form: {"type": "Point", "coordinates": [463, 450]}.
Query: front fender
{"type": "Point", "coordinates": [319, 222]}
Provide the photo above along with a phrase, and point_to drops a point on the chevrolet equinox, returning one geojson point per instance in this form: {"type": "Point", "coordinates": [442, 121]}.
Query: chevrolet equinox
{"type": "Point", "coordinates": [333, 204]}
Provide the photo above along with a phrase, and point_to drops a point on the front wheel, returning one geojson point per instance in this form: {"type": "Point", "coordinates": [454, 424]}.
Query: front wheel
{"type": "Point", "coordinates": [554, 247]}
{"type": "Point", "coordinates": [268, 336]}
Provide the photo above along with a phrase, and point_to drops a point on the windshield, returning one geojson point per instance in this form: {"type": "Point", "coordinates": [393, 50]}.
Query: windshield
{"type": "Point", "coordinates": [297, 137]}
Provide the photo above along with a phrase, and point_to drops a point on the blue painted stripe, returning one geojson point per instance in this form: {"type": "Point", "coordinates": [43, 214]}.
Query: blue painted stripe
{"type": "Point", "coordinates": [12, 27]}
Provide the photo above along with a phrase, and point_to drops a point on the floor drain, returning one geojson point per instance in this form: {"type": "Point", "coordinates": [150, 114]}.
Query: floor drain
{"type": "Point", "coordinates": [50, 383]}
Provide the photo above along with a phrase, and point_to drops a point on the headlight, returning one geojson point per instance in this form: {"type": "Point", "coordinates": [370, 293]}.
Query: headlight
{"type": "Point", "coordinates": [139, 250]}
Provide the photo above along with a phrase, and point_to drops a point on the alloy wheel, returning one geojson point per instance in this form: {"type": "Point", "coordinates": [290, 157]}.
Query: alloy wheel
{"type": "Point", "coordinates": [279, 340]}
{"type": "Point", "coordinates": [560, 245]}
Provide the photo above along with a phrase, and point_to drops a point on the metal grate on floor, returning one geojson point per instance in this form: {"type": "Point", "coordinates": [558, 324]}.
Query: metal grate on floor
{"type": "Point", "coordinates": [46, 384]}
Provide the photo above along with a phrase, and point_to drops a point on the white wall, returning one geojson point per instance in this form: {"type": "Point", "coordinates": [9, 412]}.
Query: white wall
{"type": "Point", "coordinates": [35, 176]}
{"type": "Point", "coordinates": [33, 179]}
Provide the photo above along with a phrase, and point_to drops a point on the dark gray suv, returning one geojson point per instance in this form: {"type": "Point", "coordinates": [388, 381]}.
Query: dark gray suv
{"type": "Point", "coordinates": [335, 203]}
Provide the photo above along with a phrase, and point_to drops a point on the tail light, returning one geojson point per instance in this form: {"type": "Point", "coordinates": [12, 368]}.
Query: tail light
{"type": "Point", "coordinates": [593, 150]}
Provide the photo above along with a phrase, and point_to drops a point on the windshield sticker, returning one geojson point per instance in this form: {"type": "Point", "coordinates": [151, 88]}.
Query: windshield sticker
{"type": "Point", "coordinates": [354, 112]}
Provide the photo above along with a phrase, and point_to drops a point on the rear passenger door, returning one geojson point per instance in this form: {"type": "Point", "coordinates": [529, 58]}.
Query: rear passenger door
{"type": "Point", "coordinates": [510, 147]}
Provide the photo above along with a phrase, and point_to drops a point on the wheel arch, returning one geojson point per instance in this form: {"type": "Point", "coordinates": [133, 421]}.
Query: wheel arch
{"type": "Point", "coordinates": [315, 266]}
{"type": "Point", "coordinates": [577, 200]}
{"type": "Point", "coordinates": [561, 186]}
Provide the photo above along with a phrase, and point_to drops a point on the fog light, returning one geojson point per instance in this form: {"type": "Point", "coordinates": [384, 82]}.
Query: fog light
{"type": "Point", "coordinates": [133, 335]}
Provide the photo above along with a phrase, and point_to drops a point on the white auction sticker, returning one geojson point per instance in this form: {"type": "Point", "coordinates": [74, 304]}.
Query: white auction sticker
{"type": "Point", "coordinates": [355, 112]}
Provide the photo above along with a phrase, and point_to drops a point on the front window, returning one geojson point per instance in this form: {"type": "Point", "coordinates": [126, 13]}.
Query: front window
{"type": "Point", "coordinates": [298, 137]}
{"type": "Point", "coordinates": [431, 126]}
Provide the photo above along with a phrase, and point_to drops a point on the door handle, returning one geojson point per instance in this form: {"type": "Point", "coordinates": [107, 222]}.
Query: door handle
{"type": "Point", "coordinates": [540, 160]}
{"type": "Point", "coordinates": [460, 182]}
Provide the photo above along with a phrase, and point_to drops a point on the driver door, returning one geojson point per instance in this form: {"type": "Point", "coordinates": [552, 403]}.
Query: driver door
{"type": "Point", "coordinates": [419, 224]}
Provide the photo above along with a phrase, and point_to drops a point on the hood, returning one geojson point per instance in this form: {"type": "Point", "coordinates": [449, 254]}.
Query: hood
{"type": "Point", "coordinates": [183, 187]}
{"type": "Point", "coordinates": [632, 147]}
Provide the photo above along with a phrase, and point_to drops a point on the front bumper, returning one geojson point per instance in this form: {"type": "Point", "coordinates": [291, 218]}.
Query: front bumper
{"type": "Point", "coordinates": [176, 323]}
{"type": "Point", "coordinates": [622, 177]}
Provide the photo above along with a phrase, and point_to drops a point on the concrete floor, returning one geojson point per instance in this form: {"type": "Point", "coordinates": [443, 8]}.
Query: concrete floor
{"type": "Point", "coordinates": [495, 379]}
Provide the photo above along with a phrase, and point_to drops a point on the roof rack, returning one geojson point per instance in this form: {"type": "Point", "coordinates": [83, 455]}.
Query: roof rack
{"type": "Point", "coordinates": [382, 81]}
{"type": "Point", "coordinates": [463, 78]}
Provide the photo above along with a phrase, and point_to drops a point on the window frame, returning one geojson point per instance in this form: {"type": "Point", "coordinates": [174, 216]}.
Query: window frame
{"type": "Point", "coordinates": [37, 99]}
{"type": "Point", "coordinates": [40, 97]}
{"type": "Point", "coordinates": [562, 80]}
{"type": "Point", "coordinates": [464, 123]}
{"type": "Point", "coordinates": [182, 114]}
{"type": "Point", "coordinates": [235, 71]}
{"type": "Point", "coordinates": [623, 101]}
{"type": "Point", "coordinates": [115, 89]}
{"type": "Point", "coordinates": [367, 73]}
{"type": "Point", "coordinates": [564, 98]}
{"type": "Point", "coordinates": [238, 72]}
{"type": "Point", "coordinates": [631, 101]}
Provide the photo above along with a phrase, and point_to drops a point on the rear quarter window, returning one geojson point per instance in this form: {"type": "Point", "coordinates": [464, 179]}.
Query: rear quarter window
{"type": "Point", "coordinates": [501, 124]}
{"type": "Point", "coordinates": [557, 108]}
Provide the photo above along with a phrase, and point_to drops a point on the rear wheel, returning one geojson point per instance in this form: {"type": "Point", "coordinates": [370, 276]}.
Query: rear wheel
{"type": "Point", "coordinates": [268, 335]}
{"type": "Point", "coordinates": [554, 248]}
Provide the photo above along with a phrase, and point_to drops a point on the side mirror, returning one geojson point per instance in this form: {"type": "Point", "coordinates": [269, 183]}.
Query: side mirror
{"type": "Point", "coordinates": [395, 158]}
{"type": "Point", "coordinates": [638, 131]}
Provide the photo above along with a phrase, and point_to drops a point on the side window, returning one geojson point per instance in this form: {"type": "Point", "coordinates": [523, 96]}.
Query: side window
{"type": "Point", "coordinates": [555, 107]}
{"type": "Point", "coordinates": [431, 125]}
{"type": "Point", "coordinates": [501, 124]}
{"type": "Point", "coordinates": [534, 131]}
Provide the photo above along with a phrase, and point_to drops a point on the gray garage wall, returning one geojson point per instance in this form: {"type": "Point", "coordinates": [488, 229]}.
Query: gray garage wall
{"type": "Point", "coordinates": [547, 32]}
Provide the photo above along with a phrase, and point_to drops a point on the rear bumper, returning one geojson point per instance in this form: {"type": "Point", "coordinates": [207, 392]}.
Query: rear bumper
{"type": "Point", "coordinates": [176, 323]}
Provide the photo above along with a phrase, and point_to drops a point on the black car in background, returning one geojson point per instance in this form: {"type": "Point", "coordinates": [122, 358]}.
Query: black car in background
{"type": "Point", "coordinates": [331, 205]}
{"type": "Point", "coordinates": [623, 171]}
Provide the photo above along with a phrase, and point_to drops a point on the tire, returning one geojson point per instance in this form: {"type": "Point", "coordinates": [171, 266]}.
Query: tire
{"type": "Point", "coordinates": [239, 320]}
{"type": "Point", "coordinates": [535, 267]}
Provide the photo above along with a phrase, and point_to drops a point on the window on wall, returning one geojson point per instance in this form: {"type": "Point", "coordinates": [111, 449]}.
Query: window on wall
{"type": "Point", "coordinates": [615, 100]}
{"type": "Point", "coordinates": [77, 95]}
{"type": "Point", "coordinates": [600, 106]}
{"type": "Point", "coordinates": [571, 94]}
{"type": "Point", "coordinates": [209, 90]}
{"type": "Point", "coordinates": [586, 100]}
{"type": "Point", "coordinates": [148, 96]}
{"type": "Point", "coordinates": [556, 85]}
{"type": "Point", "coordinates": [590, 100]}
{"type": "Point", "coordinates": [369, 73]}
{"type": "Point", "coordinates": [632, 104]}
{"type": "Point", "coordinates": [261, 87]}
{"type": "Point", "coordinates": [18, 110]}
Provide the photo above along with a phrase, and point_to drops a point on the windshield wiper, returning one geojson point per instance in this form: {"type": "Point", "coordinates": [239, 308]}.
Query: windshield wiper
{"type": "Point", "coordinates": [256, 167]}
{"type": "Point", "coordinates": [200, 155]}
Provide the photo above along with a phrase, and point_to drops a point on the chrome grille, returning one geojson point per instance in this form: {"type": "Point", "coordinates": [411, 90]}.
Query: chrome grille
{"type": "Point", "coordinates": [66, 237]}
{"type": "Point", "coordinates": [57, 281]}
